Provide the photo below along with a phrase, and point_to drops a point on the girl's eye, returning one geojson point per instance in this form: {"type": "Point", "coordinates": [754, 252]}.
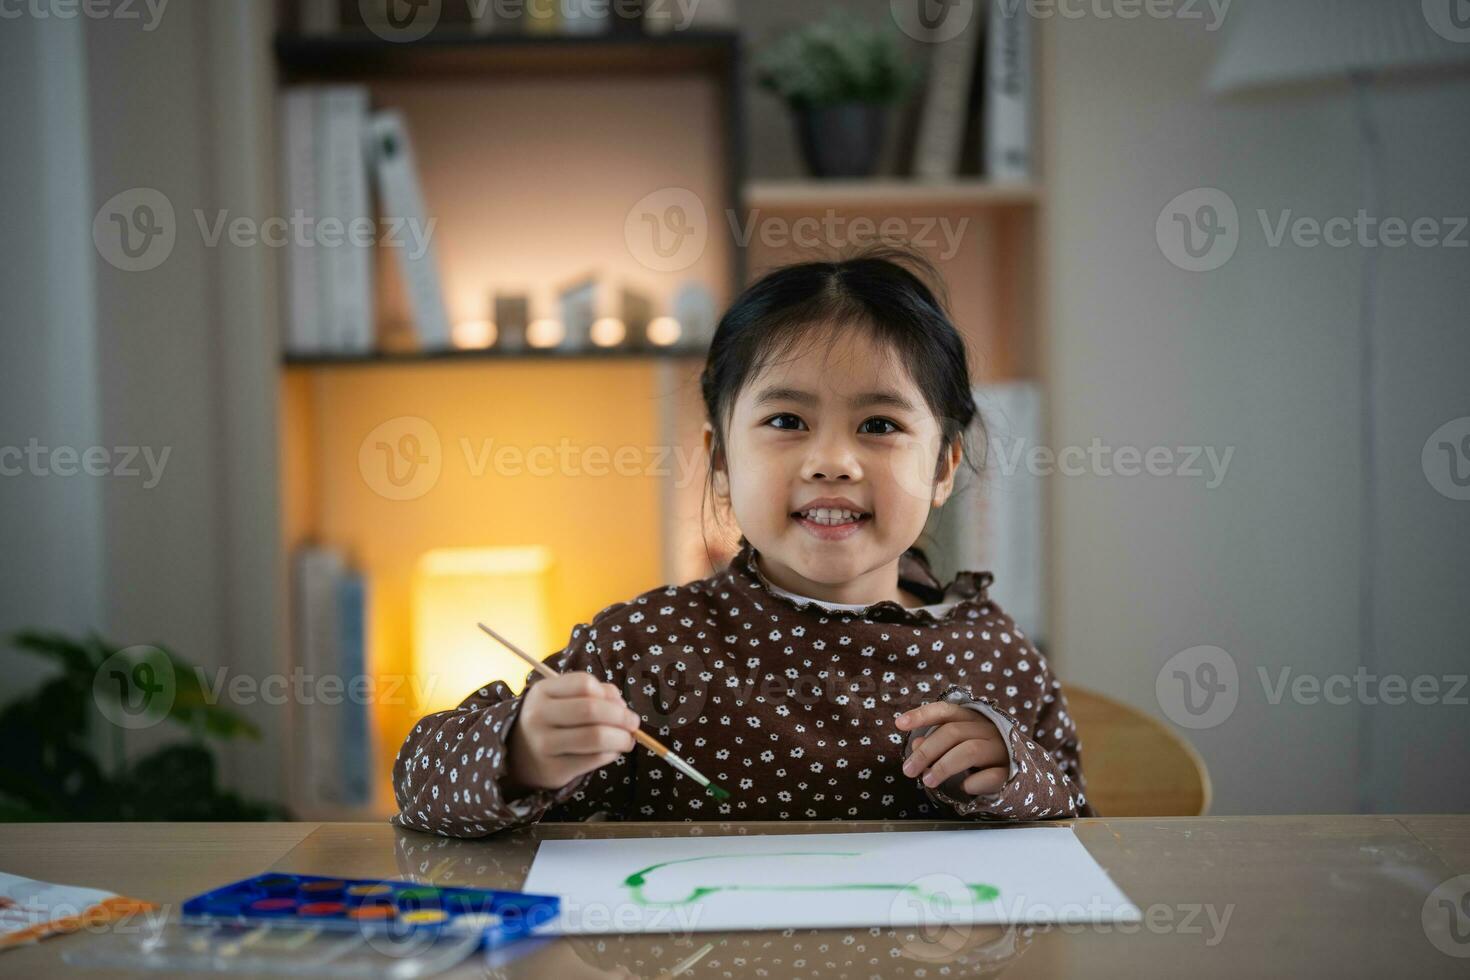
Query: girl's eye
{"type": "Point", "coordinates": [787, 416]}
{"type": "Point", "coordinates": [892, 426]}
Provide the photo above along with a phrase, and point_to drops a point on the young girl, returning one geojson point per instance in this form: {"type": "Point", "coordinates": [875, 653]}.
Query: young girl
{"type": "Point", "coordinates": [824, 673]}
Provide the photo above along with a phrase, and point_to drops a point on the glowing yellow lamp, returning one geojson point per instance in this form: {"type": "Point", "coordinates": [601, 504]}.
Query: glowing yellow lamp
{"type": "Point", "coordinates": [453, 588]}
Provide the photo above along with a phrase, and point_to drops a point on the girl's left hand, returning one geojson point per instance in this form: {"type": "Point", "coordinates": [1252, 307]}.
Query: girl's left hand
{"type": "Point", "coordinates": [963, 739]}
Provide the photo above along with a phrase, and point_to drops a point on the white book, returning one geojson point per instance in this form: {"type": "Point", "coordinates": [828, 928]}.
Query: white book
{"type": "Point", "coordinates": [1008, 93]}
{"type": "Point", "coordinates": [400, 198]}
{"type": "Point", "coordinates": [348, 260]}
{"type": "Point", "coordinates": [941, 137]}
{"type": "Point", "coordinates": [319, 574]}
{"type": "Point", "coordinates": [303, 310]}
{"type": "Point", "coordinates": [1000, 520]}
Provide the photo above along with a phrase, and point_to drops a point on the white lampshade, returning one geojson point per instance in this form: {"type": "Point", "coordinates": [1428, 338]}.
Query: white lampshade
{"type": "Point", "coordinates": [1284, 42]}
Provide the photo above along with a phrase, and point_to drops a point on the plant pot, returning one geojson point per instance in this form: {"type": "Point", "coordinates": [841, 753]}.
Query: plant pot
{"type": "Point", "coordinates": [842, 140]}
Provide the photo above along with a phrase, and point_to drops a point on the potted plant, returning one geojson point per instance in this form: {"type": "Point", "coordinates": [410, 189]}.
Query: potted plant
{"type": "Point", "coordinates": [840, 80]}
{"type": "Point", "coordinates": [52, 769]}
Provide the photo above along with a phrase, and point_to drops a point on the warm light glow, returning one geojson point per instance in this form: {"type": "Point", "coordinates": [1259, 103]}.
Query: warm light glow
{"type": "Point", "coordinates": [453, 589]}
{"type": "Point", "coordinates": [474, 334]}
{"type": "Point", "coordinates": [663, 331]}
{"type": "Point", "coordinates": [608, 332]}
{"type": "Point", "coordinates": [545, 333]}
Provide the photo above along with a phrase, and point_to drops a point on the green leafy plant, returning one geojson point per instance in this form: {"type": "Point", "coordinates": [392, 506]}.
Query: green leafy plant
{"type": "Point", "coordinates": [832, 62]}
{"type": "Point", "coordinates": [48, 737]}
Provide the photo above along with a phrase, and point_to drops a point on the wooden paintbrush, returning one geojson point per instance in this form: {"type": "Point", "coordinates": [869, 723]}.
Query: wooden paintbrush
{"type": "Point", "coordinates": [646, 740]}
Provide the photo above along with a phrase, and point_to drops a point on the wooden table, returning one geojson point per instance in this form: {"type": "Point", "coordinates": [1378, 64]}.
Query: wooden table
{"type": "Point", "coordinates": [1297, 896]}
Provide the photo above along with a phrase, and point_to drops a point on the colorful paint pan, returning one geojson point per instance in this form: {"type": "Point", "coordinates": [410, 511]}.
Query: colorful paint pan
{"type": "Point", "coordinates": [273, 906]}
{"type": "Point", "coordinates": [324, 890]}
{"type": "Point", "coordinates": [419, 898]}
{"type": "Point", "coordinates": [356, 905]}
{"type": "Point", "coordinates": [316, 909]}
{"type": "Point", "coordinates": [367, 891]}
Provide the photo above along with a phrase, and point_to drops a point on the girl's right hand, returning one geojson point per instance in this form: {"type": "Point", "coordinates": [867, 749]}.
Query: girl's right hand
{"type": "Point", "coordinates": [569, 724]}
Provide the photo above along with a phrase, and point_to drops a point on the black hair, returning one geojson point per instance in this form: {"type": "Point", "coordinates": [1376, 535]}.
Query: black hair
{"type": "Point", "coordinates": [884, 289]}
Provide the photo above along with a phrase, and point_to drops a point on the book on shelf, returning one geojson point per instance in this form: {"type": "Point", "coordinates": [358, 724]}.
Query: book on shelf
{"type": "Point", "coordinates": [302, 333]}
{"type": "Point", "coordinates": [331, 713]}
{"type": "Point", "coordinates": [1009, 85]}
{"type": "Point", "coordinates": [347, 264]}
{"type": "Point", "coordinates": [939, 143]}
{"type": "Point", "coordinates": [975, 114]}
{"type": "Point", "coordinates": [401, 201]}
{"type": "Point", "coordinates": [331, 234]}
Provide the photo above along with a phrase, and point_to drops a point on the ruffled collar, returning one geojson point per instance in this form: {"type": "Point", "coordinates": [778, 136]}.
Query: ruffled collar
{"type": "Point", "coordinates": [914, 575]}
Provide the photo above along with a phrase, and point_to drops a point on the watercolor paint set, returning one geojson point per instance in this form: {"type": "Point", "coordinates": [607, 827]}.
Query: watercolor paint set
{"type": "Point", "coordinates": [322, 926]}
{"type": "Point", "coordinates": [369, 906]}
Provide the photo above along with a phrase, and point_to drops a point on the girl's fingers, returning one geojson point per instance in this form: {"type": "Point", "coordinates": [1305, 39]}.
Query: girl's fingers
{"type": "Point", "coordinates": [575, 684]}
{"type": "Point", "coordinates": [931, 714]}
{"type": "Point", "coordinates": [926, 749]}
{"type": "Point", "coordinates": [971, 754]}
{"type": "Point", "coordinates": [986, 781]}
{"type": "Point", "coordinates": [588, 740]}
{"type": "Point", "coordinates": [575, 712]}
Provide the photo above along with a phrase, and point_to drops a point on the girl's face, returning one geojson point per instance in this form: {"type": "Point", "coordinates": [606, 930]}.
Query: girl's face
{"type": "Point", "coordinates": [837, 425]}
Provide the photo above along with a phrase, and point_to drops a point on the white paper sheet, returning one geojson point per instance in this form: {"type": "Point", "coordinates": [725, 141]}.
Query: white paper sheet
{"type": "Point", "coordinates": [987, 875]}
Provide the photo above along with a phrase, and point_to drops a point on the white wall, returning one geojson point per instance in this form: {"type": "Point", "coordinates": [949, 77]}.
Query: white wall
{"type": "Point", "coordinates": [1260, 354]}
{"type": "Point", "coordinates": [51, 575]}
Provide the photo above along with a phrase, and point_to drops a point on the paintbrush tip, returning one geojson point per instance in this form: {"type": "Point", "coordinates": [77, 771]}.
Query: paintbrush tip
{"type": "Point", "coordinates": [716, 792]}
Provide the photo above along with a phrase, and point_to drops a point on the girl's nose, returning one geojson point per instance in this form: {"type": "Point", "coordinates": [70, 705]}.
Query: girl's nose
{"type": "Point", "coordinates": [832, 460]}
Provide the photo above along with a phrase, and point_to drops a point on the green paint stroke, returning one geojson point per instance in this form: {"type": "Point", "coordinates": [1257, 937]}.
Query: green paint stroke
{"type": "Point", "coordinates": [636, 881]}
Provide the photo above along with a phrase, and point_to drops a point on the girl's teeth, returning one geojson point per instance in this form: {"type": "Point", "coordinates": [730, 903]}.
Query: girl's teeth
{"type": "Point", "coordinates": [826, 516]}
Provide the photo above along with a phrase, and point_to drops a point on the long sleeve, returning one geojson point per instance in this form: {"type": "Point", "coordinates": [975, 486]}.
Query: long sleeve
{"type": "Point", "coordinates": [449, 772]}
{"type": "Point", "coordinates": [1045, 762]}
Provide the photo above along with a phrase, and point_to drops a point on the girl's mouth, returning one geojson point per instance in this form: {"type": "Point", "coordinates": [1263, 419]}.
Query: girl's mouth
{"type": "Point", "coordinates": [830, 525]}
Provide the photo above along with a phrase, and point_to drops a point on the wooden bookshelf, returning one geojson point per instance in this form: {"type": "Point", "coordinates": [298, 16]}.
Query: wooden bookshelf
{"type": "Point", "coordinates": [385, 358]}
{"type": "Point", "coordinates": [359, 54]}
{"type": "Point", "coordinates": [889, 192]}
